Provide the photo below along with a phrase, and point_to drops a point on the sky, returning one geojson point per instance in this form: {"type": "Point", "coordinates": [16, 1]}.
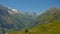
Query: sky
{"type": "Point", "coordinates": [38, 6]}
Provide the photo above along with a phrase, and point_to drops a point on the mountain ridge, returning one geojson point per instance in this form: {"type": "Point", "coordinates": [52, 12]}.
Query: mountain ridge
{"type": "Point", "coordinates": [17, 19]}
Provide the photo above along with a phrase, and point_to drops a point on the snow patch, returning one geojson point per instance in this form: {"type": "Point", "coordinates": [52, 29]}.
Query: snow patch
{"type": "Point", "coordinates": [14, 10]}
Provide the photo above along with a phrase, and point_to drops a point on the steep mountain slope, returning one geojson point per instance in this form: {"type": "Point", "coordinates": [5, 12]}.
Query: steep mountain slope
{"type": "Point", "coordinates": [48, 16]}
{"type": "Point", "coordinates": [11, 20]}
{"type": "Point", "coordinates": [7, 22]}
{"type": "Point", "coordinates": [23, 18]}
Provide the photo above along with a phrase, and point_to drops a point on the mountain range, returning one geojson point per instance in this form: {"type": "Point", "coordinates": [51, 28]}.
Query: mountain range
{"type": "Point", "coordinates": [12, 20]}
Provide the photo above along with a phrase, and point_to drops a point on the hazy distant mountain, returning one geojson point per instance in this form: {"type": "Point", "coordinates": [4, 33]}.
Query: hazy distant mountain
{"type": "Point", "coordinates": [12, 19]}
